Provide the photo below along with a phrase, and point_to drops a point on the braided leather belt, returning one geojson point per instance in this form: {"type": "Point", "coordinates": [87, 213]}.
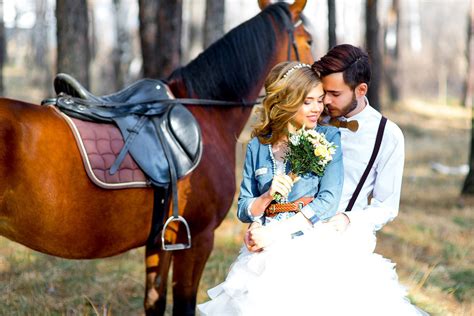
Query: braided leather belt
{"type": "Point", "coordinates": [296, 206]}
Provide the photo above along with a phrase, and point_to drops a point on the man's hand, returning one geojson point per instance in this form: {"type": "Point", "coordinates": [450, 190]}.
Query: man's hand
{"type": "Point", "coordinates": [261, 237]}
{"type": "Point", "coordinates": [339, 221]}
{"type": "Point", "coordinates": [248, 238]}
{"type": "Point", "coordinates": [257, 237]}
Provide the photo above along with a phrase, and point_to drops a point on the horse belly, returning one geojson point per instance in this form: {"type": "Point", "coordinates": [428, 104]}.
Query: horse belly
{"type": "Point", "coordinates": [47, 201]}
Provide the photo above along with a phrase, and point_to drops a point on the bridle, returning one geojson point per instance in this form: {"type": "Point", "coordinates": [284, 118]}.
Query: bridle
{"type": "Point", "coordinates": [290, 28]}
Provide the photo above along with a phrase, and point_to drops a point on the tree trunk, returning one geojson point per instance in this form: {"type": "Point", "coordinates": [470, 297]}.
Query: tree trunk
{"type": "Point", "coordinates": [468, 88]}
{"type": "Point", "coordinates": [392, 42]}
{"type": "Point", "coordinates": [147, 12]}
{"type": "Point", "coordinates": [332, 41]}
{"type": "Point", "coordinates": [73, 41]}
{"type": "Point", "coordinates": [372, 42]}
{"type": "Point", "coordinates": [214, 21]}
{"type": "Point", "coordinates": [3, 49]}
{"type": "Point", "coordinates": [41, 74]}
{"type": "Point", "coordinates": [121, 46]}
{"type": "Point", "coordinates": [468, 186]}
{"type": "Point", "coordinates": [160, 36]}
{"type": "Point", "coordinates": [168, 50]}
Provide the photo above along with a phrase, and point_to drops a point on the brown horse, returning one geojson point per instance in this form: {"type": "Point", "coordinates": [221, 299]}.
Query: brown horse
{"type": "Point", "coordinates": [48, 203]}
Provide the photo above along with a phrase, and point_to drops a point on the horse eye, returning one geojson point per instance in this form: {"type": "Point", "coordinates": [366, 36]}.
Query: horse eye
{"type": "Point", "coordinates": [310, 42]}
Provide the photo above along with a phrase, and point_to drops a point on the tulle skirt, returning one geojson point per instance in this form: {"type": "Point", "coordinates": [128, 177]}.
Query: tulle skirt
{"type": "Point", "coordinates": [322, 272]}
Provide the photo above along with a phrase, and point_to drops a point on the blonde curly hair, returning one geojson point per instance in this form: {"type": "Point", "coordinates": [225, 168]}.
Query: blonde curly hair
{"type": "Point", "coordinates": [287, 86]}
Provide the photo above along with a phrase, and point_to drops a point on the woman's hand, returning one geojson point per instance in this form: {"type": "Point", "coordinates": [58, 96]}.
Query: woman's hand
{"type": "Point", "coordinates": [281, 184]}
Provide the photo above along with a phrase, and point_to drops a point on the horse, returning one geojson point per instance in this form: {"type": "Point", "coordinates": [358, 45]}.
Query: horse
{"type": "Point", "coordinates": [48, 204]}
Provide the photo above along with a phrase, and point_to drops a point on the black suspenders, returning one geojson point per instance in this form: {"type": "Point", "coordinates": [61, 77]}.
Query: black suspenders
{"type": "Point", "coordinates": [378, 141]}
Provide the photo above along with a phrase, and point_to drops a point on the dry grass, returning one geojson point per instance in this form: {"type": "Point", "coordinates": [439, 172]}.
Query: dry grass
{"type": "Point", "coordinates": [431, 240]}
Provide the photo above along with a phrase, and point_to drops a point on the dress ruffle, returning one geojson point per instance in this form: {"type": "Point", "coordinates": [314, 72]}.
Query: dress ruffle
{"type": "Point", "coordinates": [322, 272]}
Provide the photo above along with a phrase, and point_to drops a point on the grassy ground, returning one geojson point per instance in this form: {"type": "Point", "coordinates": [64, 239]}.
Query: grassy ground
{"type": "Point", "coordinates": [431, 240]}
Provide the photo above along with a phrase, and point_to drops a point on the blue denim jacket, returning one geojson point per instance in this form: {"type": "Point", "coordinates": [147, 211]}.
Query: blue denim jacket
{"type": "Point", "coordinates": [258, 175]}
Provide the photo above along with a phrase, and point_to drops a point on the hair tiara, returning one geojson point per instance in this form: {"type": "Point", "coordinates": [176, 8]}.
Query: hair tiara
{"type": "Point", "coordinates": [297, 66]}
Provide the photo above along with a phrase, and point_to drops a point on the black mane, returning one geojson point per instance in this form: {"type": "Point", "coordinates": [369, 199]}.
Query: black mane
{"type": "Point", "coordinates": [230, 67]}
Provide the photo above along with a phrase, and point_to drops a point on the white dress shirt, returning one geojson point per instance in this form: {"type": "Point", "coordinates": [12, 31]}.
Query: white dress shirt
{"type": "Point", "coordinates": [384, 181]}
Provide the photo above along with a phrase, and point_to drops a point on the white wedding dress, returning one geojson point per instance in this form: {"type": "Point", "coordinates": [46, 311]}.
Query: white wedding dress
{"type": "Point", "coordinates": [323, 272]}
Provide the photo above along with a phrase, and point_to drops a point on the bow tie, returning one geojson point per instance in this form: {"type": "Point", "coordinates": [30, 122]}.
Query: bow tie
{"type": "Point", "coordinates": [350, 125]}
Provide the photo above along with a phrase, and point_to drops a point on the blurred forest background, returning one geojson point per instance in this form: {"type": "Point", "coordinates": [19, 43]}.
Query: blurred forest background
{"type": "Point", "coordinates": [423, 80]}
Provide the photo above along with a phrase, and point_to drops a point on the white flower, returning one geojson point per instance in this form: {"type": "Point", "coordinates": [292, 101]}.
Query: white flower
{"type": "Point", "coordinates": [312, 133]}
{"type": "Point", "coordinates": [295, 140]}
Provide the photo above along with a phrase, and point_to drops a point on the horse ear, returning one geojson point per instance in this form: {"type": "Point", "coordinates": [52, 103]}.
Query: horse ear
{"type": "Point", "coordinates": [297, 7]}
{"type": "Point", "coordinates": [263, 3]}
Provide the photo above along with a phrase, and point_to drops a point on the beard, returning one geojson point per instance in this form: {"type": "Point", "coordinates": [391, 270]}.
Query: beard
{"type": "Point", "coordinates": [344, 110]}
{"type": "Point", "coordinates": [348, 108]}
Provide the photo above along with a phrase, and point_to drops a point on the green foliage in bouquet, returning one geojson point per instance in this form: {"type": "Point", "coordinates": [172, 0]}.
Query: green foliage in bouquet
{"type": "Point", "coordinates": [309, 151]}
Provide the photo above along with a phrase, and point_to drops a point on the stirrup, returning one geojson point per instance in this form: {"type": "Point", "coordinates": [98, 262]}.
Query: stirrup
{"type": "Point", "coordinates": [171, 247]}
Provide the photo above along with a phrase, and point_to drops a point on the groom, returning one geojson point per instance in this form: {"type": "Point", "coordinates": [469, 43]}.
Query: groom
{"type": "Point", "coordinates": [370, 194]}
{"type": "Point", "coordinates": [345, 74]}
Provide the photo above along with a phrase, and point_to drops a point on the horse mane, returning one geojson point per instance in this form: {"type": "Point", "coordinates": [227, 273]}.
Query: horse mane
{"type": "Point", "coordinates": [234, 64]}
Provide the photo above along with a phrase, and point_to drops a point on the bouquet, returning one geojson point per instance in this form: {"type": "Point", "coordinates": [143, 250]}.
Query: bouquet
{"type": "Point", "coordinates": [308, 152]}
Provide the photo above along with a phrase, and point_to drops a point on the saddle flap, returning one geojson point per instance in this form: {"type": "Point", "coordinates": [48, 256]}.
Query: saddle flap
{"type": "Point", "coordinates": [185, 130]}
{"type": "Point", "coordinates": [182, 135]}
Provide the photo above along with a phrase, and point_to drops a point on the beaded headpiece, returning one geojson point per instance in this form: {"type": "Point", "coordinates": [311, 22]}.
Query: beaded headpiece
{"type": "Point", "coordinates": [297, 66]}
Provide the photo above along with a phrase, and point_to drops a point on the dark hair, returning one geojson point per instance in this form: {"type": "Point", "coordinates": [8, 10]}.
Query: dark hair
{"type": "Point", "coordinates": [352, 61]}
{"type": "Point", "coordinates": [243, 55]}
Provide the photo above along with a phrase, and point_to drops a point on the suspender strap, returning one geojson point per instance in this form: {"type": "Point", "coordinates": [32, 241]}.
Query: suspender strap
{"type": "Point", "coordinates": [378, 141]}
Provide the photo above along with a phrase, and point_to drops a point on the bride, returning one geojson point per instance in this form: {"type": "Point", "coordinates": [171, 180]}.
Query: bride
{"type": "Point", "coordinates": [297, 262]}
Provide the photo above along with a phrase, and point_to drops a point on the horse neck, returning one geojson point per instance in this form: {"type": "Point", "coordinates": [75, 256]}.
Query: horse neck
{"type": "Point", "coordinates": [229, 121]}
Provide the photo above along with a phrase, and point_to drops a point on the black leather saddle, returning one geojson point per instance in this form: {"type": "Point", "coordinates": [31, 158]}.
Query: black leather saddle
{"type": "Point", "coordinates": [161, 135]}
{"type": "Point", "coordinates": [149, 121]}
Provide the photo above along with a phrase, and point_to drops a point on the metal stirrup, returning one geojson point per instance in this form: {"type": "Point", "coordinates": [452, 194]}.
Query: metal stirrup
{"type": "Point", "coordinates": [175, 246]}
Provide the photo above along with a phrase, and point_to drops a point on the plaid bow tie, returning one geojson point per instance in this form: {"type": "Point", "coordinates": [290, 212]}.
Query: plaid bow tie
{"type": "Point", "coordinates": [350, 125]}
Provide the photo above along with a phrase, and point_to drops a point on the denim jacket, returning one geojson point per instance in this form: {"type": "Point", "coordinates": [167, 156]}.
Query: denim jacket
{"type": "Point", "coordinates": [258, 174]}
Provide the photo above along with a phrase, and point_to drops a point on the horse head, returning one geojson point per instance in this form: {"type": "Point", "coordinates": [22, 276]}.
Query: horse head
{"type": "Point", "coordinates": [302, 39]}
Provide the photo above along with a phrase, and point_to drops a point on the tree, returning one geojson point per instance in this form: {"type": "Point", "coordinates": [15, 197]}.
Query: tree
{"type": "Point", "coordinates": [392, 43]}
{"type": "Point", "coordinates": [41, 73]}
{"type": "Point", "coordinates": [2, 47]}
{"type": "Point", "coordinates": [121, 46]}
{"type": "Point", "coordinates": [170, 18]}
{"type": "Point", "coordinates": [160, 36]}
{"type": "Point", "coordinates": [468, 186]}
{"type": "Point", "coordinates": [214, 21]}
{"type": "Point", "coordinates": [469, 81]}
{"type": "Point", "coordinates": [73, 55]}
{"type": "Point", "coordinates": [372, 43]}
{"type": "Point", "coordinates": [147, 11]}
{"type": "Point", "coordinates": [332, 41]}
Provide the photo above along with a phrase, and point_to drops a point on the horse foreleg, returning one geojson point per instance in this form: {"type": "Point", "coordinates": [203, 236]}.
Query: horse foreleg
{"type": "Point", "coordinates": [157, 267]}
{"type": "Point", "coordinates": [188, 266]}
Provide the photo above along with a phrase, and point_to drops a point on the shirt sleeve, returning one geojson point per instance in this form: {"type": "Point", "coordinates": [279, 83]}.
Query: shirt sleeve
{"type": "Point", "coordinates": [385, 201]}
{"type": "Point", "coordinates": [327, 199]}
{"type": "Point", "coordinates": [248, 189]}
